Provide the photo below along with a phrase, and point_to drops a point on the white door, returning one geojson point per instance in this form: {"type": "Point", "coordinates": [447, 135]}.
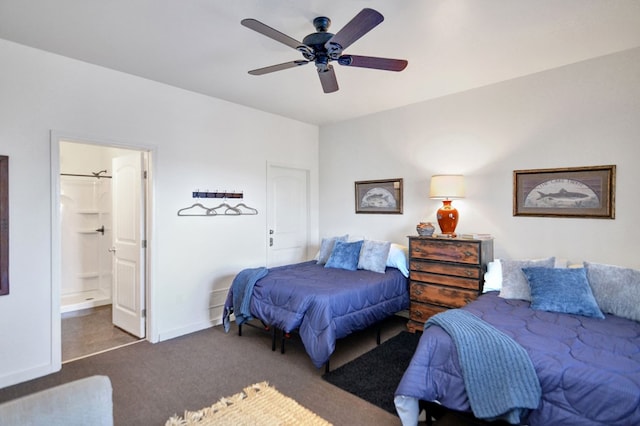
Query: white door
{"type": "Point", "coordinates": [287, 215]}
{"type": "Point", "coordinates": [128, 251]}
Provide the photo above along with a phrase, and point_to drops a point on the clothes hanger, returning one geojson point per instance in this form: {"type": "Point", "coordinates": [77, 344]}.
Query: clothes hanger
{"type": "Point", "coordinates": [206, 212]}
{"type": "Point", "coordinates": [251, 209]}
{"type": "Point", "coordinates": [229, 210]}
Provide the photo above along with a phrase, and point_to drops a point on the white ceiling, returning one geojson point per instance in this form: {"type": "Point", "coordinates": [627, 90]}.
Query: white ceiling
{"type": "Point", "coordinates": [199, 45]}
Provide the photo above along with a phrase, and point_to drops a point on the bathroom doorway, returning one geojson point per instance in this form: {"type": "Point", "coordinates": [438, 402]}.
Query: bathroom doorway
{"type": "Point", "coordinates": [102, 299]}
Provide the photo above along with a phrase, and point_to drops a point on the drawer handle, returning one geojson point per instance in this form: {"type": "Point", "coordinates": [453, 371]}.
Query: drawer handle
{"type": "Point", "coordinates": [468, 253]}
{"type": "Point", "coordinates": [468, 273]}
{"type": "Point", "coordinates": [417, 314]}
{"type": "Point", "coordinates": [417, 291]}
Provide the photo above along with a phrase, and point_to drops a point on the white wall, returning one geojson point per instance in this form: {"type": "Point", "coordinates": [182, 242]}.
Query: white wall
{"type": "Point", "coordinates": [579, 115]}
{"type": "Point", "coordinates": [197, 142]}
{"type": "Point", "coordinates": [584, 114]}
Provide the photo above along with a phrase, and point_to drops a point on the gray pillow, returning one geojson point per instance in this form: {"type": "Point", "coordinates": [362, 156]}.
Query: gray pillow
{"type": "Point", "coordinates": [326, 247]}
{"type": "Point", "coordinates": [616, 289]}
{"type": "Point", "coordinates": [373, 256]}
{"type": "Point", "coordinates": [514, 283]}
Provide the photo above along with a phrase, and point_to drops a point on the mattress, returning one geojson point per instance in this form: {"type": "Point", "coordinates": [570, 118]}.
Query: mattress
{"type": "Point", "coordinates": [326, 304]}
{"type": "Point", "coordinates": [588, 368]}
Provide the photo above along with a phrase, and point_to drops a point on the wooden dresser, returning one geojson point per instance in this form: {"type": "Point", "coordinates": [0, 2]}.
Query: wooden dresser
{"type": "Point", "coordinates": [444, 273]}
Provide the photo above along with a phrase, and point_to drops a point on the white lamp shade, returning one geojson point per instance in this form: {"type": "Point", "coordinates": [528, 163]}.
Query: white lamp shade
{"type": "Point", "coordinates": [447, 186]}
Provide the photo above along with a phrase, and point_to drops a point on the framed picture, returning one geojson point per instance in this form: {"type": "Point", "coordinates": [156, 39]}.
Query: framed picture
{"type": "Point", "coordinates": [569, 192]}
{"type": "Point", "coordinates": [4, 225]}
{"type": "Point", "coordinates": [379, 196]}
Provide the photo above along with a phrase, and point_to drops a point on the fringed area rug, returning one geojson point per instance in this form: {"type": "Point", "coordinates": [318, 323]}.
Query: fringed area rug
{"type": "Point", "coordinates": [258, 404]}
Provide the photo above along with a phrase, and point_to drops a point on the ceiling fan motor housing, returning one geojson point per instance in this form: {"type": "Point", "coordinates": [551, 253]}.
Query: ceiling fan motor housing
{"type": "Point", "coordinates": [316, 41]}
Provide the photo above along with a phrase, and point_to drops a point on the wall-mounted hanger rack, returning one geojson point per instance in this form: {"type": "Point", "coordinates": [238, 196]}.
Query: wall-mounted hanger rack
{"type": "Point", "coordinates": [223, 209]}
{"type": "Point", "coordinates": [217, 194]}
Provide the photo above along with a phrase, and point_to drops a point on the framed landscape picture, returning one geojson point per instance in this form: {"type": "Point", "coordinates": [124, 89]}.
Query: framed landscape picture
{"type": "Point", "coordinates": [587, 192]}
{"type": "Point", "coordinates": [379, 196]}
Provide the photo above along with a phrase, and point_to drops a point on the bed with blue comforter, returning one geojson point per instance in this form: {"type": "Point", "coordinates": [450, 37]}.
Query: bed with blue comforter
{"type": "Point", "coordinates": [326, 304]}
{"type": "Point", "coordinates": [588, 368]}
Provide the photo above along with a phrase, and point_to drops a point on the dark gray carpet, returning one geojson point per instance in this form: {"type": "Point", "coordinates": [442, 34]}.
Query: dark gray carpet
{"type": "Point", "coordinates": [375, 375]}
{"type": "Point", "coordinates": [151, 382]}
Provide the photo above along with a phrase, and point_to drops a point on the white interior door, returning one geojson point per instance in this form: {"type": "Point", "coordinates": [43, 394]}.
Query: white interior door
{"type": "Point", "coordinates": [287, 215]}
{"type": "Point", "coordinates": [128, 237]}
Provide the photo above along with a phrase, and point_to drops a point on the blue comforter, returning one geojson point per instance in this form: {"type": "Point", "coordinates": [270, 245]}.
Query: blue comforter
{"type": "Point", "coordinates": [589, 369]}
{"type": "Point", "coordinates": [499, 378]}
{"type": "Point", "coordinates": [326, 304]}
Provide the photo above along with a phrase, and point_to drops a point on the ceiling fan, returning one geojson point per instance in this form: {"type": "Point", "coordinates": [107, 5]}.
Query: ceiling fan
{"type": "Point", "coordinates": [323, 47]}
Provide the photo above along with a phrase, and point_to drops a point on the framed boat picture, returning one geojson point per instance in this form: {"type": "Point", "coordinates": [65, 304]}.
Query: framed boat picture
{"type": "Point", "coordinates": [585, 192]}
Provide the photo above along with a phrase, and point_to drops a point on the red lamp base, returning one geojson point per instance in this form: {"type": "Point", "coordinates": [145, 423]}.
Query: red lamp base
{"type": "Point", "coordinates": [447, 219]}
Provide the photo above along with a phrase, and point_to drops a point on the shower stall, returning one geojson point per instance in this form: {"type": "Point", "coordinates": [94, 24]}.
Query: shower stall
{"type": "Point", "coordinates": [85, 204]}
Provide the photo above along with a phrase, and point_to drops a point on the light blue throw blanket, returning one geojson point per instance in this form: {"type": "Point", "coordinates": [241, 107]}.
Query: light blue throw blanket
{"type": "Point", "coordinates": [240, 294]}
{"type": "Point", "coordinates": [499, 377]}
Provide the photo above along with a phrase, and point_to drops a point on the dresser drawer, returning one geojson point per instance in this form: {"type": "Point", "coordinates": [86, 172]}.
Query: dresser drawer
{"type": "Point", "coordinates": [448, 280]}
{"type": "Point", "coordinates": [420, 312]}
{"type": "Point", "coordinates": [439, 295]}
{"type": "Point", "coordinates": [447, 269]}
{"type": "Point", "coordinates": [446, 250]}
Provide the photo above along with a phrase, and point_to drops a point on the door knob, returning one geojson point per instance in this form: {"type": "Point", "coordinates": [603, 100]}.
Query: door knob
{"type": "Point", "coordinates": [101, 230]}
{"type": "Point", "coordinates": [112, 249]}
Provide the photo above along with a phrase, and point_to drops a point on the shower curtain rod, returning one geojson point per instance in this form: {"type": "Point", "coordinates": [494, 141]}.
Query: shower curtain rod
{"type": "Point", "coordinates": [96, 175]}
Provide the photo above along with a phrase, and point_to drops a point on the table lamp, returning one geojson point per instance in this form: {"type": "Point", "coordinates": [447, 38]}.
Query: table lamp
{"type": "Point", "coordinates": [445, 188]}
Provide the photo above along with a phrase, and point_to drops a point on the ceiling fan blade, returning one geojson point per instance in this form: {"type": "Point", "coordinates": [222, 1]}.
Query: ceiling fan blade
{"type": "Point", "coordinates": [361, 24]}
{"type": "Point", "coordinates": [266, 30]}
{"type": "Point", "coordinates": [328, 80]}
{"type": "Point", "coordinates": [278, 67]}
{"type": "Point", "coordinates": [387, 64]}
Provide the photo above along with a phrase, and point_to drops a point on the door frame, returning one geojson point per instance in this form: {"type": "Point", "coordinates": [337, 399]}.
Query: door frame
{"type": "Point", "coordinates": [56, 238]}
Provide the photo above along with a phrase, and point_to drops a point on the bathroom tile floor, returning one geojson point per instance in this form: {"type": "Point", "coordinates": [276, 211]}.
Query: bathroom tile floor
{"type": "Point", "coordinates": [91, 331]}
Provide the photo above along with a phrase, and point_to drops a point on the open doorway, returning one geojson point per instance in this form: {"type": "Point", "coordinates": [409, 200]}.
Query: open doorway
{"type": "Point", "coordinates": [102, 202]}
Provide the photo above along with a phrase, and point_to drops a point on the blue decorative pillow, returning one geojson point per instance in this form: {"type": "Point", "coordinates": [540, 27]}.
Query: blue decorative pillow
{"type": "Point", "coordinates": [373, 256]}
{"type": "Point", "coordinates": [564, 290]}
{"type": "Point", "coordinates": [345, 255]}
{"type": "Point", "coordinates": [326, 247]}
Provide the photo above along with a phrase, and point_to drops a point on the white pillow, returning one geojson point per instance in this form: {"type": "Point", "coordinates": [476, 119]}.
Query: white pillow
{"type": "Point", "coordinates": [398, 255]}
{"type": "Point", "coordinates": [493, 276]}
